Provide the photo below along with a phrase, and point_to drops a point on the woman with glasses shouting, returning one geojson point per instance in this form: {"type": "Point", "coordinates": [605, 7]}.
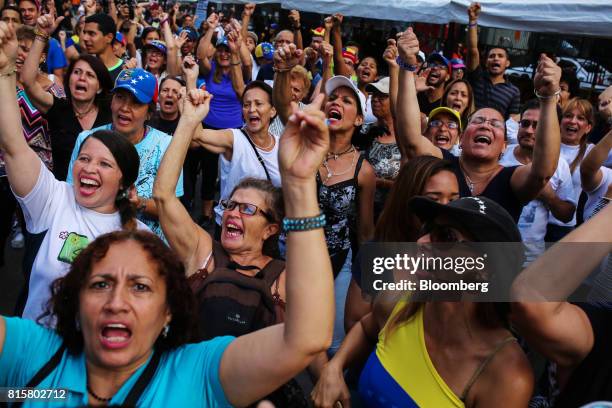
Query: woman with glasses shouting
{"type": "Point", "coordinates": [484, 138]}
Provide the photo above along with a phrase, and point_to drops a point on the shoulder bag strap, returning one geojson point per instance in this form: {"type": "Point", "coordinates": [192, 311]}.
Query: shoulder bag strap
{"type": "Point", "coordinates": [143, 381]}
{"type": "Point", "coordinates": [257, 154]}
{"type": "Point", "coordinates": [44, 371]}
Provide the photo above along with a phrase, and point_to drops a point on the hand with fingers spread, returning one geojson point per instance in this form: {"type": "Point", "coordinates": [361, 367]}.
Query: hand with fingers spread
{"type": "Point", "coordinates": [181, 39]}
{"type": "Point", "coordinates": [331, 388]}
{"type": "Point", "coordinates": [304, 143]}
{"type": "Point", "coordinates": [48, 24]}
{"type": "Point", "coordinates": [8, 48]}
{"type": "Point", "coordinates": [420, 81]}
{"type": "Point", "coordinates": [287, 57]}
{"type": "Point", "coordinates": [294, 19]}
{"type": "Point", "coordinates": [408, 46]}
{"type": "Point", "coordinates": [547, 77]}
{"type": "Point", "coordinates": [474, 12]}
{"type": "Point", "coordinates": [249, 9]}
{"type": "Point", "coordinates": [391, 53]}
{"type": "Point", "coordinates": [196, 105]}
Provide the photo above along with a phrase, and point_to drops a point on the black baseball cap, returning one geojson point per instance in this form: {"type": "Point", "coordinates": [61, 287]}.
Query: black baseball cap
{"type": "Point", "coordinates": [482, 217]}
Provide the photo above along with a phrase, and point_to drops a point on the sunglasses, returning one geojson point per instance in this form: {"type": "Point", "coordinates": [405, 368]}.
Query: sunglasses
{"type": "Point", "coordinates": [526, 123]}
{"type": "Point", "coordinates": [245, 208]}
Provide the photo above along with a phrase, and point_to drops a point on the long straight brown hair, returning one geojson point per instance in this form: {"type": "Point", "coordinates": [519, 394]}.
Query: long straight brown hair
{"type": "Point", "coordinates": [395, 223]}
{"type": "Point", "coordinates": [586, 109]}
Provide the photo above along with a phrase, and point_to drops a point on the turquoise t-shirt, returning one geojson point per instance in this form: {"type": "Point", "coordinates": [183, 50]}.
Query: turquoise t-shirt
{"type": "Point", "coordinates": [186, 377]}
{"type": "Point", "coordinates": [151, 150]}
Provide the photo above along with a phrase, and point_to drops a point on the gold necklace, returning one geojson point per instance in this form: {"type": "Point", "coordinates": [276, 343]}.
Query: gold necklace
{"type": "Point", "coordinates": [331, 174]}
{"type": "Point", "coordinates": [80, 115]}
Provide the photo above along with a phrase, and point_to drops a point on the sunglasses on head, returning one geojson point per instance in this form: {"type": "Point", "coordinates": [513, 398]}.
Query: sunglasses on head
{"type": "Point", "coordinates": [245, 208]}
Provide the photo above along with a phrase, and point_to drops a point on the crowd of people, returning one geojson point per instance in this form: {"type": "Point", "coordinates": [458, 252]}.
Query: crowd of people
{"type": "Point", "coordinates": [140, 292]}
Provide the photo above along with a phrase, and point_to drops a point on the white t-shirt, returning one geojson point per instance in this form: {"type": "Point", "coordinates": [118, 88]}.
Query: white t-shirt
{"type": "Point", "coordinates": [534, 217]}
{"type": "Point", "coordinates": [569, 153]}
{"type": "Point", "coordinates": [244, 163]}
{"type": "Point", "coordinates": [599, 191]}
{"type": "Point", "coordinates": [512, 131]}
{"type": "Point", "coordinates": [52, 207]}
{"type": "Point", "coordinates": [369, 114]}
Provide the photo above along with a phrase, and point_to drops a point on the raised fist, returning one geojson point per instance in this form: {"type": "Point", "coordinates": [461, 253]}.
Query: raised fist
{"type": "Point", "coordinates": [294, 18]}
{"type": "Point", "coordinates": [287, 57]}
{"type": "Point", "coordinates": [391, 53]}
{"type": "Point", "coordinates": [408, 46]}
{"type": "Point", "coordinates": [249, 9]}
{"type": "Point", "coordinates": [473, 12]}
{"type": "Point", "coordinates": [548, 74]}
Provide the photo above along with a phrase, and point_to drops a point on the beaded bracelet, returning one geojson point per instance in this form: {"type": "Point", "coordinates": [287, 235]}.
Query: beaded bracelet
{"type": "Point", "coordinates": [474, 24]}
{"type": "Point", "coordinates": [405, 66]}
{"type": "Point", "coordinates": [43, 35]}
{"type": "Point", "coordinates": [303, 224]}
{"type": "Point", "coordinates": [544, 97]}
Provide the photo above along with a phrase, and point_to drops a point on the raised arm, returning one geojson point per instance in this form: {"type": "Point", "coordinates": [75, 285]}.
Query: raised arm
{"type": "Point", "coordinates": [22, 164]}
{"type": "Point", "coordinates": [527, 181]}
{"type": "Point", "coordinates": [41, 99]}
{"type": "Point", "coordinates": [472, 58]}
{"type": "Point", "coordinates": [296, 25]}
{"type": "Point", "coordinates": [205, 49]}
{"type": "Point", "coordinates": [285, 58]}
{"type": "Point", "coordinates": [247, 13]}
{"type": "Point", "coordinates": [408, 130]}
{"type": "Point", "coordinates": [234, 41]}
{"type": "Point", "coordinates": [172, 59]}
{"type": "Point", "coordinates": [390, 57]}
{"type": "Point", "coordinates": [183, 234]}
{"type": "Point", "coordinates": [246, 65]}
{"type": "Point", "coordinates": [590, 168]}
{"type": "Point", "coordinates": [340, 67]}
{"type": "Point", "coordinates": [255, 364]}
{"type": "Point", "coordinates": [560, 330]}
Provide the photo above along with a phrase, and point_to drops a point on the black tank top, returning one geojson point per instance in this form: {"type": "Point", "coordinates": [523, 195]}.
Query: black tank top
{"type": "Point", "coordinates": [499, 188]}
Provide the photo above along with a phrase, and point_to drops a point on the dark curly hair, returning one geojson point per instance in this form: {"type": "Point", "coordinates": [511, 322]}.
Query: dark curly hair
{"type": "Point", "coordinates": [64, 302]}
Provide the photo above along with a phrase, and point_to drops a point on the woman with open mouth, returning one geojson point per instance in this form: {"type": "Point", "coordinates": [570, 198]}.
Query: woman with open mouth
{"type": "Point", "coordinates": [459, 96]}
{"type": "Point", "coordinates": [85, 106]}
{"type": "Point", "coordinates": [71, 216]}
{"type": "Point", "coordinates": [577, 120]}
{"type": "Point", "coordinates": [484, 138]}
{"type": "Point", "coordinates": [126, 314]}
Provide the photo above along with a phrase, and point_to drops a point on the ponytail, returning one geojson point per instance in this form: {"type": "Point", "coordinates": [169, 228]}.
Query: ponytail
{"type": "Point", "coordinates": [127, 211]}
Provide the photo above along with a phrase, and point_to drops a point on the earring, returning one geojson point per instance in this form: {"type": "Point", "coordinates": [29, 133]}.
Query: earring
{"type": "Point", "coordinates": [165, 331]}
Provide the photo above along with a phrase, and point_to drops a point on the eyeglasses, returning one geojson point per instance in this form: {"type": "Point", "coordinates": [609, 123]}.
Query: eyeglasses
{"type": "Point", "coordinates": [438, 123]}
{"type": "Point", "coordinates": [526, 123]}
{"type": "Point", "coordinates": [244, 208]}
{"type": "Point", "coordinates": [496, 123]}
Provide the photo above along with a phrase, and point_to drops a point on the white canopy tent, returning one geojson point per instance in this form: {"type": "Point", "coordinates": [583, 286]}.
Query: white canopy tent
{"type": "Point", "coordinates": [578, 17]}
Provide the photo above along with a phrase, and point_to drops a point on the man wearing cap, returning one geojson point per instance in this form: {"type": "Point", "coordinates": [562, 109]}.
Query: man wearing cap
{"type": "Point", "coordinates": [491, 88]}
{"type": "Point", "coordinates": [558, 195]}
{"type": "Point", "coordinates": [313, 55]}
{"type": "Point", "coordinates": [97, 38]}
{"type": "Point", "coordinates": [484, 137]}
{"type": "Point", "coordinates": [134, 99]}
{"type": "Point", "coordinates": [439, 75]}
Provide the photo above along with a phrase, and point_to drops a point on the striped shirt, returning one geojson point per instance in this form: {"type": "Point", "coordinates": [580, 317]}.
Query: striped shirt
{"type": "Point", "coordinates": [503, 97]}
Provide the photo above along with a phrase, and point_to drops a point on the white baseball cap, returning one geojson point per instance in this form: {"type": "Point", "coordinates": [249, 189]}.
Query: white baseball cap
{"type": "Point", "coordinates": [340, 80]}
